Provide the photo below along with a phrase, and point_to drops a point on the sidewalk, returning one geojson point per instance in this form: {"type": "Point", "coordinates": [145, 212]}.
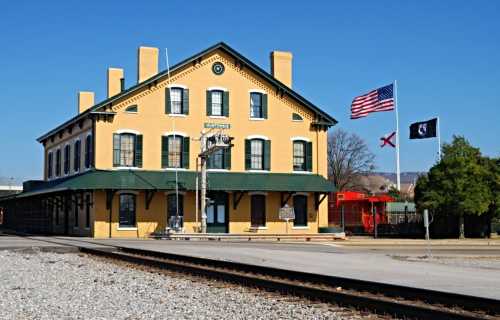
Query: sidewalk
{"type": "Point", "coordinates": [369, 241]}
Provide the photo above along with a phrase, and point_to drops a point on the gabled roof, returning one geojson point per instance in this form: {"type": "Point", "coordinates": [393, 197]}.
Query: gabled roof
{"type": "Point", "coordinates": [165, 180]}
{"type": "Point", "coordinates": [323, 117]}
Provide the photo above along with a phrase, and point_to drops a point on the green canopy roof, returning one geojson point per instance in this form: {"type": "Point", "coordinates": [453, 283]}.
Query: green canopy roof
{"type": "Point", "coordinates": [165, 180]}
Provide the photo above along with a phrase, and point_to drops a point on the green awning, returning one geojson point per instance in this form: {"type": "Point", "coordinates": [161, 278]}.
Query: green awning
{"type": "Point", "coordinates": [165, 180]}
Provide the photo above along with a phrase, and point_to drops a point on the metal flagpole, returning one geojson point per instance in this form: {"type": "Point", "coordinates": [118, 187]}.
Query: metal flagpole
{"type": "Point", "coordinates": [439, 137]}
{"type": "Point", "coordinates": [398, 178]}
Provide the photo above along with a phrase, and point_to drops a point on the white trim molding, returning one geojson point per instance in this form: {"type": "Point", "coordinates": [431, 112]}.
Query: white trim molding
{"type": "Point", "coordinates": [179, 115]}
{"type": "Point", "coordinates": [128, 192]}
{"type": "Point", "coordinates": [302, 172]}
{"type": "Point", "coordinates": [183, 193]}
{"type": "Point", "coordinates": [300, 227]}
{"type": "Point", "coordinates": [175, 133]}
{"type": "Point", "coordinates": [257, 171]}
{"type": "Point", "coordinates": [256, 119]}
{"type": "Point", "coordinates": [176, 85]}
{"type": "Point", "coordinates": [257, 136]}
{"type": "Point", "coordinates": [256, 91]}
{"type": "Point", "coordinates": [300, 194]}
{"type": "Point", "coordinates": [174, 169]}
{"type": "Point", "coordinates": [257, 193]}
{"type": "Point", "coordinates": [217, 117]}
{"type": "Point", "coordinates": [217, 88]}
{"type": "Point", "coordinates": [218, 170]}
{"type": "Point", "coordinates": [298, 138]}
{"type": "Point", "coordinates": [126, 228]}
{"type": "Point", "coordinates": [120, 131]}
{"type": "Point", "coordinates": [126, 168]}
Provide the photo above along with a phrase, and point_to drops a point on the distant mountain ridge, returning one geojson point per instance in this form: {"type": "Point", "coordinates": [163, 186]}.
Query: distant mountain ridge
{"type": "Point", "coordinates": [406, 177]}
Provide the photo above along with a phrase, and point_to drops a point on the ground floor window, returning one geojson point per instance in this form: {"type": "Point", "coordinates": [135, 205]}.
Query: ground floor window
{"type": "Point", "coordinates": [76, 215]}
{"type": "Point", "coordinates": [175, 207]}
{"type": "Point", "coordinates": [300, 208]}
{"type": "Point", "coordinates": [258, 210]}
{"type": "Point", "coordinates": [87, 211]}
{"type": "Point", "coordinates": [127, 210]}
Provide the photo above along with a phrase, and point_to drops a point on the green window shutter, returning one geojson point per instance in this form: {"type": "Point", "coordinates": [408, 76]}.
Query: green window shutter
{"type": "Point", "coordinates": [267, 155]}
{"type": "Point", "coordinates": [308, 156]}
{"type": "Point", "coordinates": [185, 152]}
{"type": "Point", "coordinates": [225, 104]}
{"type": "Point", "coordinates": [185, 101]}
{"type": "Point", "coordinates": [209, 103]}
{"type": "Point", "coordinates": [264, 106]}
{"type": "Point", "coordinates": [116, 150]}
{"type": "Point", "coordinates": [164, 152]}
{"type": "Point", "coordinates": [138, 151]}
{"type": "Point", "coordinates": [247, 154]}
{"type": "Point", "coordinates": [227, 158]}
{"type": "Point", "coordinates": [168, 106]}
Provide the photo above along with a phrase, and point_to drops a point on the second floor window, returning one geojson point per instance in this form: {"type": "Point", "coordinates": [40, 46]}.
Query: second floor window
{"type": "Point", "coordinates": [67, 152]}
{"type": "Point", "coordinates": [127, 150]}
{"type": "Point", "coordinates": [50, 164]}
{"type": "Point", "coordinates": [175, 152]}
{"type": "Point", "coordinates": [302, 156]}
{"type": "Point", "coordinates": [77, 156]}
{"type": "Point", "coordinates": [257, 154]}
{"type": "Point", "coordinates": [58, 162]}
{"type": "Point", "coordinates": [258, 105]}
{"type": "Point", "coordinates": [176, 101]}
{"type": "Point", "coordinates": [218, 103]}
{"type": "Point", "coordinates": [88, 151]}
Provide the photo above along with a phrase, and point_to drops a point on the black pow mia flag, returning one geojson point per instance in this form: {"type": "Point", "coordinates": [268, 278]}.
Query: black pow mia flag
{"type": "Point", "coordinates": [424, 129]}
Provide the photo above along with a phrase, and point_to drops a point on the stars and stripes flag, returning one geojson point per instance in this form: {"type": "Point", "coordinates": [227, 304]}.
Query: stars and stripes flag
{"type": "Point", "coordinates": [381, 99]}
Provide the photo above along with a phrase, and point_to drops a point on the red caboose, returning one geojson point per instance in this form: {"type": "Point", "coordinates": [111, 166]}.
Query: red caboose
{"type": "Point", "coordinates": [359, 210]}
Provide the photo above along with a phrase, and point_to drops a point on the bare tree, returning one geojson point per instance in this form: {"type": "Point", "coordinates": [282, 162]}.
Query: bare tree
{"type": "Point", "coordinates": [348, 158]}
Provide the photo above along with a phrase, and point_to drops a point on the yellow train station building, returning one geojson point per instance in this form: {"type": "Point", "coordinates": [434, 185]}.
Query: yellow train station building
{"type": "Point", "coordinates": [123, 167]}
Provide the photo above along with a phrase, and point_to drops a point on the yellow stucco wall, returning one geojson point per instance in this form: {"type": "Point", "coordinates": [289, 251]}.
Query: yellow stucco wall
{"type": "Point", "coordinates": [153, 220]}
{"type": "Point", "coordinates": [152, 122]}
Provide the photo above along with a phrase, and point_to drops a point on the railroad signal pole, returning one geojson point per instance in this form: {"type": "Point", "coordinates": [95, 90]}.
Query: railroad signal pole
{"type": "Point", "coordinates": [209, 144]}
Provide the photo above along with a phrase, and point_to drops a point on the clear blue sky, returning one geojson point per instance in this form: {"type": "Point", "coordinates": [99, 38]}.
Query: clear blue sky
{"type": "Point", "coordinates": [444, 54]}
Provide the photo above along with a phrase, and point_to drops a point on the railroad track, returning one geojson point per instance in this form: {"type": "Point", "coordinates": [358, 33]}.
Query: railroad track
{"type": "Point", "coordinates": [399, 301]}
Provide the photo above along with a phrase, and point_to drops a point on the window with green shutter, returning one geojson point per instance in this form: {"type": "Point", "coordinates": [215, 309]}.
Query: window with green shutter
{"type": "Point", "coordinates": [176, 100]}
{"type": "Point", "coordinates": [175, 152]}
{"type": "Point", "coordinates": [257, 154]}
{"type": "Point", "coordinates": [309, 159]}
{"type": "Point", "coordinates": [185, 152]}
{"type": "Point", "coordinates": [127, 150]}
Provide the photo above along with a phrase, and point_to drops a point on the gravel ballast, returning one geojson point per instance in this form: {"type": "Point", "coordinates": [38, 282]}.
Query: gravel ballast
{"type": "Point", "coordinates": [46, 285]}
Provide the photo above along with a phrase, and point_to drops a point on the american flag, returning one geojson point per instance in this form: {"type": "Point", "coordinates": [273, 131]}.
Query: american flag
{"type": "Point", "coordinates": [381, 99]}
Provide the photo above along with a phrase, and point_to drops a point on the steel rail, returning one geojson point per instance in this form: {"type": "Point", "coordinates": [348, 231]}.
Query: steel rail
{"type": "Point", "coordinates": [318, 287]}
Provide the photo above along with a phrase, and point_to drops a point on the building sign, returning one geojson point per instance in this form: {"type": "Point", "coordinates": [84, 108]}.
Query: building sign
{"type": "Point", "coordinates": [286, 213]}
{"type": "Point", "coordinates": [209, 125]}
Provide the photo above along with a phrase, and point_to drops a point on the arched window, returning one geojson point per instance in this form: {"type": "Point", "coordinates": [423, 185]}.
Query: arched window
{"type": "Point", "coordinates": [50, 164]}
{"type": "Point", "coordinates": [127, 150]}
{"type": "Point", "coordinates": [175, 151]}
{"type": "Point", "coordinates": [175, 206]}
{"type": "Point", "coordinates": [58, 162]}
{"type": "Point", "coordinates": [296, 117]}
{"type": "Point", "coordinates": [77, 156]}
{"type": "Point", "coordinates": [258, 210]}
{"type": "Point", "coordinates": [132, 109]}
{"type": "Point", "coordinates": [302, 155]}
{"type": "Point", "coordinates": [257, 154]}
{"type": "Point", "coordinates": [176, 100]}
{"type": "Point", "coordinates": [67, 153]}
{"type": "Point", "coordinates": [300, 208]}
{"type": "Point", "coordinates": [127, 210]}
{"type": "Point", "coordinates": [88, 151]}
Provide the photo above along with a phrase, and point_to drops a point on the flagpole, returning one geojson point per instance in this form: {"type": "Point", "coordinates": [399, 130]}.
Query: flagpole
{"type": "Point", "coordinates": [398, 178]}
{"type": "Point", "coordinates": [439, 137]}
